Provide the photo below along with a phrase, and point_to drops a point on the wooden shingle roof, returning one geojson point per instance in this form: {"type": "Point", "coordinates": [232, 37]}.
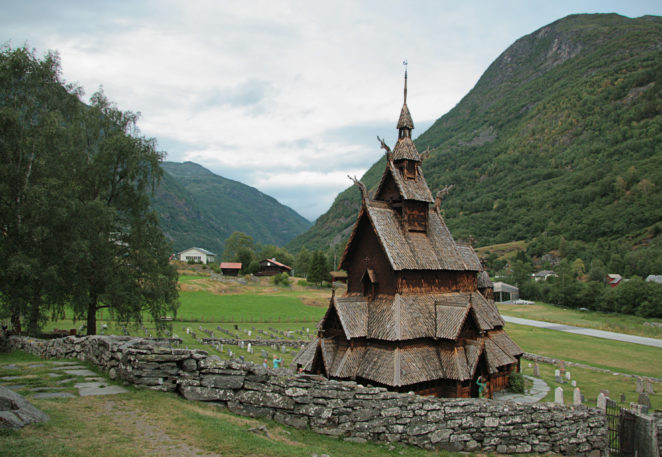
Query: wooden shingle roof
{"type": "Point", "coordinates": [410, 189]}
{"type": "Point", "coordinates": [470, 258]}
{"type": "Point", "coordinates": [307, 354]}
{"type": "Point", "coordinates": [405, 121]}
{"type": "Point", "coordinates": [431, 250]}
{"type": "Point", "coordinates": [484, 281]}
{"type": "Point", "coordinates": [405, 149]}
{"type": "Point", "coordinates": [408, 317]}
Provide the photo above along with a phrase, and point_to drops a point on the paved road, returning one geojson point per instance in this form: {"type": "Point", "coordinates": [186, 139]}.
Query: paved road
{"type": "Point", "coordinates": [586, 331]}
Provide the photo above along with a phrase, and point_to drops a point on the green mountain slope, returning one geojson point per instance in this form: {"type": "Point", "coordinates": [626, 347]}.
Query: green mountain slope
{"type": "Point", "coordinates": [561, 136]}
{"type": "Point", "coordinates": [198, 208]}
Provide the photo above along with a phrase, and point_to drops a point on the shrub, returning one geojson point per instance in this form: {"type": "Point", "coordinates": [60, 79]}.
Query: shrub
{"type": "Point", "coordinates": [281, 279]}
{"type": "Point", "coordinates": [302, 283]}
{"type": "Point", "coordinates": [516, 383]}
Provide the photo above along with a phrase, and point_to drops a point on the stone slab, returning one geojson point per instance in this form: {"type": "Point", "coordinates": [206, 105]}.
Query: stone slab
{"type": "Point", "coordinates": [54, 395]}
{"type": "Point", "coordinates": [83, 372]}
{"type": "Point", "coordinates": [86, 389]}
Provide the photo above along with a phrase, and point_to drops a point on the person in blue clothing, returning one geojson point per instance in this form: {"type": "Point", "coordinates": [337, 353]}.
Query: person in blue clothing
{"type": "Point", "coordinates": [481, 386]}
{"type": "Point", "coordinates": [277, 362]}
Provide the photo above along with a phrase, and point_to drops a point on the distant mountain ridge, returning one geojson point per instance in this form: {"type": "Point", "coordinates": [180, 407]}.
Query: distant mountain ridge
{"type": "Point", "coordinates": [199, 208]}
{"type": "Point", "coordinates": [560, 137]}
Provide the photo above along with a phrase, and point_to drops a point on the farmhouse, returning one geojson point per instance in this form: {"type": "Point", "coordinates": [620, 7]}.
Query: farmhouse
{"type": "Point", "coordinates": [412, 318]}
{"type": "Point", "coordinates": [270, 267]}
{"type": "Point", "coordinates": [197, 255]}
{"type": "Point", "coordinates": [230, 268]}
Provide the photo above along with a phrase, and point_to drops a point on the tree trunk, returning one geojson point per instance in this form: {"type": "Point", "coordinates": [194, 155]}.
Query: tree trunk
{"type": "Point", "coordinates": [16, 321]}
{"type": "Point", "coordinates": [92, 316]}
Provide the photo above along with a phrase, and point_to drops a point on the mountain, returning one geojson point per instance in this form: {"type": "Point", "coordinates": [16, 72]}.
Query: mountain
{"type": "Point", "coordinates": [559, 139]}
{"type": "Point", "coordinates": [198, 208]}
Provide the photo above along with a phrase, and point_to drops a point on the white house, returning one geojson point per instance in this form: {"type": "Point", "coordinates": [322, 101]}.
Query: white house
{"type": "Point", "coordinates": [197, 255]}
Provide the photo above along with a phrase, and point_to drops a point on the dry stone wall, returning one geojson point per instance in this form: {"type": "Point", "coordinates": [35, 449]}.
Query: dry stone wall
{"type": "Point", "coordinates": [343, 409]}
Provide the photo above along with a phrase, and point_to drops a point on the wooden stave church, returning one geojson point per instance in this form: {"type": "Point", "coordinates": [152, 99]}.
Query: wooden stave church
{"type": "Point", "coordinates": [412, 318]}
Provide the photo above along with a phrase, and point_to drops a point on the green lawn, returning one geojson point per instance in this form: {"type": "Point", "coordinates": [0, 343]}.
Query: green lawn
{"type": "Point", "coordinates": [590, 384]}
{"type": "Point", "coordinates": [612, 322]}
{"type": "Point", "coordinates": [147, 423]}
{"type": "Point", "coordinates": [203, 306]}
{"type": "Point", "coordinates": [597, 352]}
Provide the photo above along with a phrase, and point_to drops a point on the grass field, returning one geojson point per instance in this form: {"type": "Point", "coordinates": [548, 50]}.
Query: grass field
{"type": "Point", "coordinates": [165, 424]}
{"type": "Point", "coordinates": [146, 423]}
{"type": "Point", "coordinates": [611, 322]}
{"type": "Point", "coordinates": [590, 384]}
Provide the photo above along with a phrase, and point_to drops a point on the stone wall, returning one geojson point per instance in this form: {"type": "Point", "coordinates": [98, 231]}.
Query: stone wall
{"type": "Point", "coordinates": [343, 409]}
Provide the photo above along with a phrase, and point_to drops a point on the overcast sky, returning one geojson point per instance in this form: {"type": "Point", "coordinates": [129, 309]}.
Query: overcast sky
{"type": "Point", "coordinates": [285, 96]}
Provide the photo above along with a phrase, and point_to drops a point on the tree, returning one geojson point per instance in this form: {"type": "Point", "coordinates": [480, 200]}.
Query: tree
{"type": "Point", "coordinates": [118, 256]}
{"type": "Point", "coordinates": [234, 243]}
{"type": "Point", "coordinates": [318, 271]}
{"type": "Point", "coordinates": [35, 135]}
{"type": "Point", "coordinates": [74, 203]}
{"type": "Point", "coordinates": [578, 268]}
{"type": "Point", "coordinates": [302, 262]}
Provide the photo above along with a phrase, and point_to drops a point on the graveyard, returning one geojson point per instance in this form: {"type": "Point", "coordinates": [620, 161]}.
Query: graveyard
{"type": "Point", "coordinates": [254, 320]}
{"type": "Point", "coordinates": [251, 321]}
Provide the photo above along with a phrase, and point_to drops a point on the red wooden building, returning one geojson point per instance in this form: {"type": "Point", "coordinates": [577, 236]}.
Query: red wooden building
{"type": "Point", "coordinates": [412, 318]}
{"type": "Point", "coordinates": [231, 268]}
{"type": "Point", "coordinates": [270, 267]}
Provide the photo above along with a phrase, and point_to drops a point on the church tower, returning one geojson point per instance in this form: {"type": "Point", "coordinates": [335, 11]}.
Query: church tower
{"type": "Point", "coordinates": [412, 318]}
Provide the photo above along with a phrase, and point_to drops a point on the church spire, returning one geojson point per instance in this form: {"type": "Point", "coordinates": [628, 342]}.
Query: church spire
{"type": "Point", "coordinates": [404, 149]}
{"type": "Point", "coordinates": [405, 123]}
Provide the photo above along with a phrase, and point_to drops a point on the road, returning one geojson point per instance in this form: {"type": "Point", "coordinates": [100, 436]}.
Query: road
{"type": "Point", "coordinates": [586, 331]}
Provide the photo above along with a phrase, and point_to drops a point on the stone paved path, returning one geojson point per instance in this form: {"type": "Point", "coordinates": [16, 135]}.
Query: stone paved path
{"type": "Point", "coordinates": [535, 394]}
{"type": "Point", "coordinates": [92, 385]}
{"type": "Point", "coordinates": [655, 342]}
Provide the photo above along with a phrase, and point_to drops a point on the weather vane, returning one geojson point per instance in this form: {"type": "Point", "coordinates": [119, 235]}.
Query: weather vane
{"type": "Point", "coordinates": [404, 62]}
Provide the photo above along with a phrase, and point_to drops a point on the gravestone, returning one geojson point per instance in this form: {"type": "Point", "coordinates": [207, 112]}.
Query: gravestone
{"type": "Point", "coordinates": [602, 402]}
{"type": "Point", "coordinates": [558, 395]}
{"type": "Point", "coordinates": [557, 373]}
{"type": "Point", "coordinates": [562, 366]}
{"type": "Point", "coordinates": [559, 379]}
{"type": "Point", "coordinates": [536, 370]}
{"type": "Point", "coordinates": [241, 344]}
{"type": "Point", "coordinates": [640, 385]}
{"type": "Point", "coordinates": [623, 397]}
{"type": "Point", "coordinates": [576, 396]}
{"type": "Point", "coordinates": [574, 383]}
{"type": "Point", "coordinates": [250, 332]}
{"type": "Point", "coordinates": [583, 398]}
{"type": "Point", "coordinates": [605, 392]}
{"type": "Point", "coordinates": [649, 387]}
{"type": "Point", "coordinates": [248, 347]}
{"type": "Point", "coordinates": [567, 375]}
{"type": "Point", "coordinates": [644, 400]}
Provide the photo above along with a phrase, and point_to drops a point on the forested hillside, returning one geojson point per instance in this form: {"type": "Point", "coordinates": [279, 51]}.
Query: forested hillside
{"type": "Point", "coordinates": [559, 140]}
{"type": "Point", "coordinates": [198, 208]}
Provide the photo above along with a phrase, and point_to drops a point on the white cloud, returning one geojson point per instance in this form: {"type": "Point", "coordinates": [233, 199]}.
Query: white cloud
{"type": "Point", "coordinates": [286, 96]}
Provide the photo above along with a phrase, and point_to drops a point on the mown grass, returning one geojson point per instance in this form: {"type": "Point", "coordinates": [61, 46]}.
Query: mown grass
{"type": "Point", "coordinates": [611, 322]}
{"type": "Point", "coordinates": [590, 384]}
{"type": "Point", "coordinates": [613, 355]}
{"type": "Point", "coordinates": [201, 306]}
{"type": "Point", "coordinates": [148, 423]}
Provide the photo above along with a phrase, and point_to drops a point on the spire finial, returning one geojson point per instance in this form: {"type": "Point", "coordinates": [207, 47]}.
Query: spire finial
{"type": "Point", "coordinates": [405, 63]}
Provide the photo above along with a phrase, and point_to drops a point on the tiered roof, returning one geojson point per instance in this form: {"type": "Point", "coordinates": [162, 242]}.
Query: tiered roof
{"type": "Point", "coordinates": [405, 338]}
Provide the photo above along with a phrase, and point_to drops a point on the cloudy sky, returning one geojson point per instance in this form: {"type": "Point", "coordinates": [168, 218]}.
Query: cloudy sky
{"type": "Point", "coordinates": [285, 96]}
